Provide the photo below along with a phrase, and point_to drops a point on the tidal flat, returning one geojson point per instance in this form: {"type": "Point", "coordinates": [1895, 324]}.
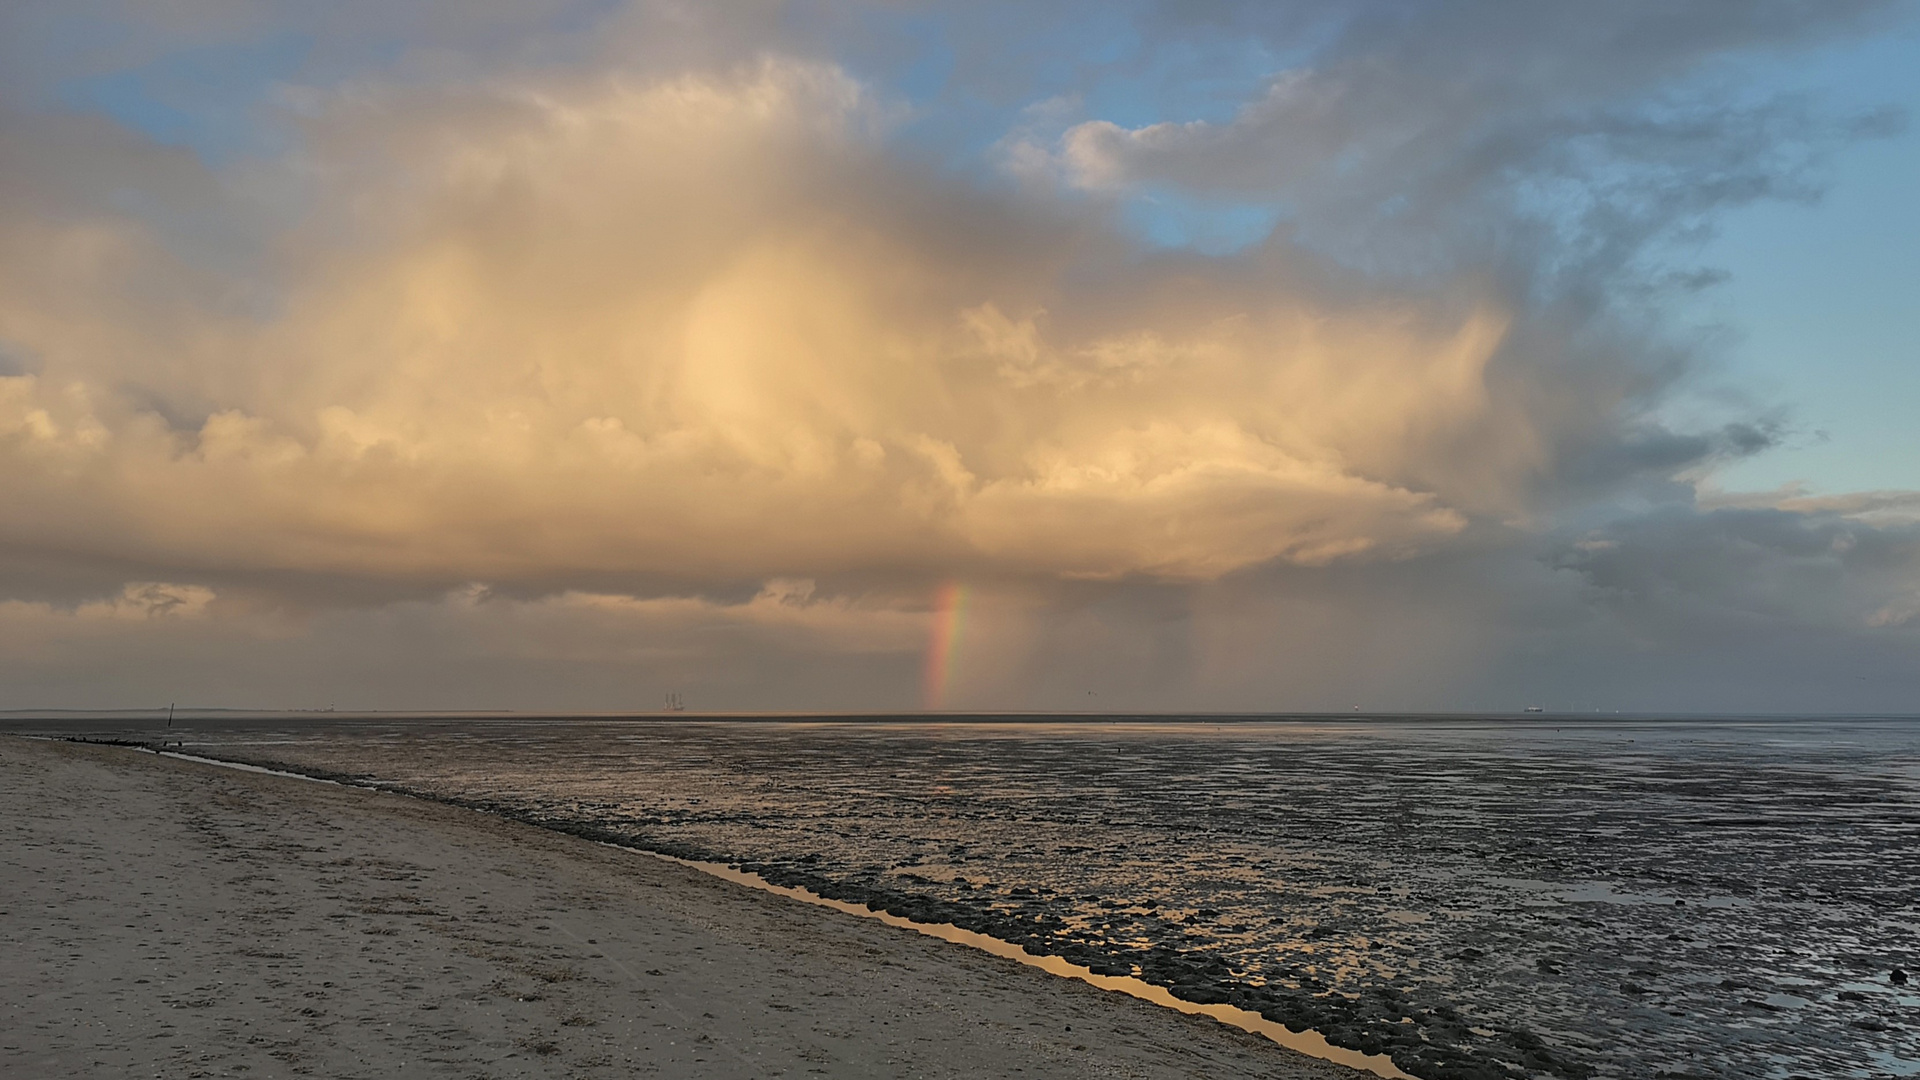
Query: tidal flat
{"type": "Point", "coordinates": [1474, 897]}
{"type": "Point", "coordinates": [162, 917]}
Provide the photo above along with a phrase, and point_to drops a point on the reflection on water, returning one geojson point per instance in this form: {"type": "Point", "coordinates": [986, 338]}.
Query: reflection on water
{"type": "Point", "coordinates": [1307, 1042]}
{"type": "Point", "coordinates": [1711, 899]}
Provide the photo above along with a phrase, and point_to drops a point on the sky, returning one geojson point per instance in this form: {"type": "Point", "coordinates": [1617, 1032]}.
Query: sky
{"type": "Point", "coordinates": [1398, 355]}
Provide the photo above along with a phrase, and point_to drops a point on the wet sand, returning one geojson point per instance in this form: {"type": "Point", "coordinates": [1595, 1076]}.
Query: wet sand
{"type": "Point", "coordinates": [1480, 898]}
{"type": "Point", "coordinates": [163, 917]}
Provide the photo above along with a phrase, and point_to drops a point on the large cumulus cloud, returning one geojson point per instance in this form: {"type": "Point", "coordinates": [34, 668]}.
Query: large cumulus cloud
{"type": "Point", "coordinates": [702, 325]}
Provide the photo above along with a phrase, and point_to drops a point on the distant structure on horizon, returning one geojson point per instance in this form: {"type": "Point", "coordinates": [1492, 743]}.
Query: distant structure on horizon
{"type": "Point", "coordinates": [675, 704]}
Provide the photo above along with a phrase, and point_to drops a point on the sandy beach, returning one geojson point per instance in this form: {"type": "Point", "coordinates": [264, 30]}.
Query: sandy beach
{"type": "Point", "coordinates": [167, 918]}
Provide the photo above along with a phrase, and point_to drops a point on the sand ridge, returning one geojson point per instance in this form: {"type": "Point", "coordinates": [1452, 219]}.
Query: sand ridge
{"type": "Point", "coordinates": [167, 918]}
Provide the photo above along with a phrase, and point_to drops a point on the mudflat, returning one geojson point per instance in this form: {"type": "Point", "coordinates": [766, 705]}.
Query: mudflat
{"type": "Point", "coordinates": [167, 918]}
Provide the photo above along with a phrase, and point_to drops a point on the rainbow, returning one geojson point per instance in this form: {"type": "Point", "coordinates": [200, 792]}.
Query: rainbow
{"type": "Point", "coordinates": [949, 615]}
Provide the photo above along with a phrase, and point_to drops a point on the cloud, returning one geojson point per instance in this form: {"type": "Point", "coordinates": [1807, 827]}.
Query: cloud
{"type": "Point", "coordinates": [1556, 142]}
{"type": "Point", "coordinates": [646, 346]}
{"type": "Point", "coordinates": [138, 601]}
{"type": "Point", "coordinates": [702, 325]}
{"type": "Point", "coordinates": [785, 611]}
{"type": "Point", "coordinates": [1846, 564]}
{"type": "Point", "coordinates": [594, 650]}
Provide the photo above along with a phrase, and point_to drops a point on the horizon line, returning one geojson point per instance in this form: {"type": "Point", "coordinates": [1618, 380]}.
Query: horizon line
{"type": "Point", "coordinates": [228, 711]}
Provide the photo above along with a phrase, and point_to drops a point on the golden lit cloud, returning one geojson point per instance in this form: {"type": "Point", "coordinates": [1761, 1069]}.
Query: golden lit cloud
{"type": "Point", "coordinates": [683, 327]}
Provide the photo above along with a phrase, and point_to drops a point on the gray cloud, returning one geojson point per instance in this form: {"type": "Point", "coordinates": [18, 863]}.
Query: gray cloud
{"type": "Point", "coordinates": [1849, 570]}
{"type": "Point", "coordinates": [1453, 131]}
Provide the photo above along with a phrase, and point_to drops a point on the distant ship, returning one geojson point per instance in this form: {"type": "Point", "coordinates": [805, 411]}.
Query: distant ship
{"type": "Point", "coordinates": [1535, 708]}
{"type": "Point", "coordinates": [675, 704]}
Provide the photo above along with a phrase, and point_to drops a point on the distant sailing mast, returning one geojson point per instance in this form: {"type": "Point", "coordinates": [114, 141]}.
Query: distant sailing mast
{"type": "Point", "coordinates": [675, 704]}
